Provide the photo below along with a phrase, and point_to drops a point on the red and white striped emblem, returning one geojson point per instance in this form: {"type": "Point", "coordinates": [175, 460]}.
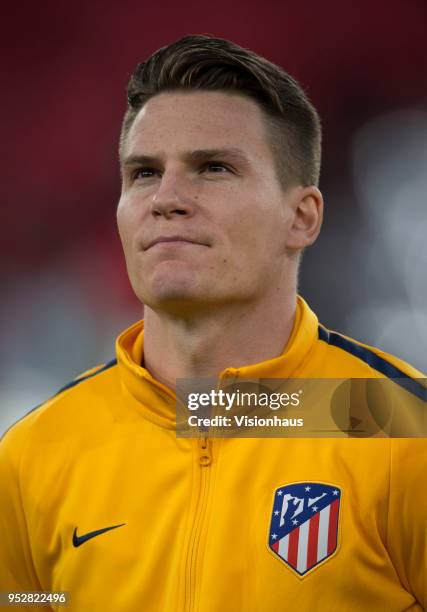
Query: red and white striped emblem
{"type": "Point", "coordinates": [304, 524]}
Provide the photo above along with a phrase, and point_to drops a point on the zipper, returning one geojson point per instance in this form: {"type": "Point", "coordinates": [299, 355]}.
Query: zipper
{"type": "Point", "coordinates": [204, 458]}
{"type": "Point", "coordinates": [205, 455]}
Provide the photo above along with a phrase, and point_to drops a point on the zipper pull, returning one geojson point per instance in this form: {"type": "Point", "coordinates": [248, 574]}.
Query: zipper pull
{"type": "Point", "coordinates": [205, 455]}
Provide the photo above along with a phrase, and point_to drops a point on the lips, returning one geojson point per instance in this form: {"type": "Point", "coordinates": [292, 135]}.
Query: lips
{"type": "Point", "coordinates": [183, 239]}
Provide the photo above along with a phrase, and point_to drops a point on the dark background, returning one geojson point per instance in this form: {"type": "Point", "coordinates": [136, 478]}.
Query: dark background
{"type": "Point", "coordinates": [65, 294]}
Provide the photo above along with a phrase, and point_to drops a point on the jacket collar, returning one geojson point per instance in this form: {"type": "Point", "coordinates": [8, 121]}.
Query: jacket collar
{"type": "Point", "coordinates": [158, 403]}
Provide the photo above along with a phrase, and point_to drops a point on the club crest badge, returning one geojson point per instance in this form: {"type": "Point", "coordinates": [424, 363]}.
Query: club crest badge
{"type": "Point", "coordinates": [304, 524]}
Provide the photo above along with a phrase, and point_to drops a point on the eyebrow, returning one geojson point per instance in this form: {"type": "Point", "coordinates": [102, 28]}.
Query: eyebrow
{"type": "Point", "coordinates": [198, 155]}
{"type": "Point", "coordinates": [232, 153]}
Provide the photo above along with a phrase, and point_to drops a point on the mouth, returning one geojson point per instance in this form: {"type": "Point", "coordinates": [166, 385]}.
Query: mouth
{"type": "Point", "coordinates": [172, 241]}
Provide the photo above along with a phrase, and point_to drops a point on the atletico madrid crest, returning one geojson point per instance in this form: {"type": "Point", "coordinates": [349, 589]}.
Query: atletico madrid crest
{"type": "Point", "coordinates": [304, 524]}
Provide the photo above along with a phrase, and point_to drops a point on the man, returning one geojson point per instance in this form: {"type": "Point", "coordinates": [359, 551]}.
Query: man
{"type": "Point", "coordinates": [220, 154]}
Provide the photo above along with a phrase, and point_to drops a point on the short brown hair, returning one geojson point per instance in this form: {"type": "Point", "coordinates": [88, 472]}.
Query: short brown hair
{"type": "Point", "coordinates": [215, 64]}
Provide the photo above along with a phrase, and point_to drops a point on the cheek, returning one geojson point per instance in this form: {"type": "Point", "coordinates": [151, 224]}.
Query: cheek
{"type": "Point", "coordinates": [258, 240]}
{"type": "Point", "coordinates": [121, 225]}
{"type": "Point", "coordinates": [126, 235]}
{"type": "Point", "coordinates": [254, 225]}
{"type": "Point", "coordinates": [127, 221]}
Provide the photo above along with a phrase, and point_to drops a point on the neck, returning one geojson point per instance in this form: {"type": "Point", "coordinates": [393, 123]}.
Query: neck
{"type": "Point", "coordinates": [205, 345]}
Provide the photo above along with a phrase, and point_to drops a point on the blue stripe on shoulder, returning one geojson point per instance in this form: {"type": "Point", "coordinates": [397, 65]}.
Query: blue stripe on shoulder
{"type": "Point", "coordinates": [73, 383]}
{"type": "Point", "coordinates": [375, 361]}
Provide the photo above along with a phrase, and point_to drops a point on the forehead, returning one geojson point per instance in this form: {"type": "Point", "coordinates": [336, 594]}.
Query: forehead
{"type": "Point", "coordinates": [199, 120]}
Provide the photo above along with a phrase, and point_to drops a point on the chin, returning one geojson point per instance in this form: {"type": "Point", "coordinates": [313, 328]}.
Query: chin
{"type": "Point", "coordinates": [169, 292]}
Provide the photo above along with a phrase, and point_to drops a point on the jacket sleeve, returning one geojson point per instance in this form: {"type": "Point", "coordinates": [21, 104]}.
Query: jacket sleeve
{"type": "Point", "coordinates": [407, 520]}
{"type": "Point", "coordinates": [17, 571]}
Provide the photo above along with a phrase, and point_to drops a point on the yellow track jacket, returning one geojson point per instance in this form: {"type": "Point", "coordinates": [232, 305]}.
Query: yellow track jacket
{"type": "Point", "coordinates": [99, 498]}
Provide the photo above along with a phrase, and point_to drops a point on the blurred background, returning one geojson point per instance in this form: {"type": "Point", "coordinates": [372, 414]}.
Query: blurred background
{"type": "Point", "coordinates": [64, 289]}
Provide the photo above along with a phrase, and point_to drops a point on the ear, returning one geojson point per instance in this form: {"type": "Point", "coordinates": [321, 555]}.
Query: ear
{"type": "Point", "coordinates": [306, 219]}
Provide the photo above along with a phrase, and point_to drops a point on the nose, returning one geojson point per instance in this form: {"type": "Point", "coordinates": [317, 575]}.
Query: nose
{"type": "Point", "coordinates": [172, 197]}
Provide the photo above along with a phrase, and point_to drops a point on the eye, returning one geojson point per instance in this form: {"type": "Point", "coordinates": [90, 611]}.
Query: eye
{"type": "Point", "coordinates": [216, 167]}
{"type": "Point", "coordinates": [143, 173]}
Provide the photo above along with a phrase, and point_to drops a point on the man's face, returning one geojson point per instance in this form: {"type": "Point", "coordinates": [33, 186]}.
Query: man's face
{"type": "Point", "coordinates": [202, 216]}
